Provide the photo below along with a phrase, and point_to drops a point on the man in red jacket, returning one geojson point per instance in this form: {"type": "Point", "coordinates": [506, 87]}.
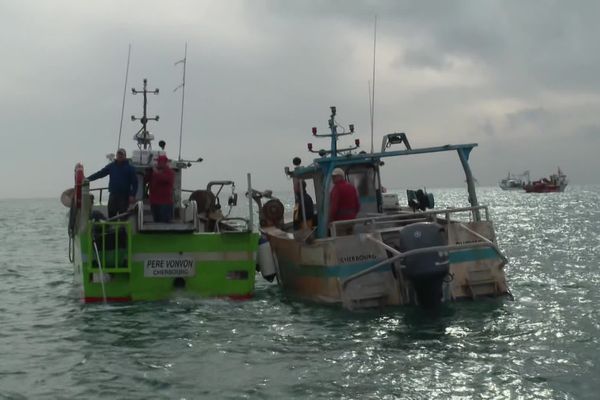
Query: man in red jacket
{"type": "Point", "coordinates": [160, 187]}
{"type": "Point", "coordinates": [344, 203]}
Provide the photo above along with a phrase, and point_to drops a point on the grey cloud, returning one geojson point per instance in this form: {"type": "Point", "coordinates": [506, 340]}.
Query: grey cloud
{"type": "Point", "coordinates": [588, 132]}
{"type": "Point", "coordinates": [536, 117]}
{"type": "Point", "coordinates": [265, 72]}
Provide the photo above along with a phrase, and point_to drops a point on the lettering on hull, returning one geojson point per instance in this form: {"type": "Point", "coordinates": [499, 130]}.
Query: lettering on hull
{"type": "Point", "coordinates": [356, 258]}
{"type": "Point", "coordinates": [169, 267]}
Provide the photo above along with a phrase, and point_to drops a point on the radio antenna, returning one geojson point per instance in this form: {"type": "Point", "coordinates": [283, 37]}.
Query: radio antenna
{"type": "Point", "coordinates": [182, 86]}
{"type": "Point", "coordinates": [124, 91]}
{"type": "Point", "coordinates": [372, 89]}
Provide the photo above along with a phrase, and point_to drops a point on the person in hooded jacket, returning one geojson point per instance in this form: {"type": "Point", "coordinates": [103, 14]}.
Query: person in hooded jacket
{"type": "Point", "coordinates": [160, 188]}
{"type": "Point", "coordinates": [122, 184]}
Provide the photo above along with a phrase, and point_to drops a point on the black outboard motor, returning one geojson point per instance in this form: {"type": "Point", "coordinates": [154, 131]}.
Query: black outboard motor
{"type": "Point", "coordinates": [425, 271]}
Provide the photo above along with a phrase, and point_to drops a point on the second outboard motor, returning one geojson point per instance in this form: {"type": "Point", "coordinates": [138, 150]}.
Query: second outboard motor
{"type": "Point", "coordinates": [425, 271]}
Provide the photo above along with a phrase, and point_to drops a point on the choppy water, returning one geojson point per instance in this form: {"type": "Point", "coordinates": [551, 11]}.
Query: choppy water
{"type": "Point", "coordinates": [544, 345]}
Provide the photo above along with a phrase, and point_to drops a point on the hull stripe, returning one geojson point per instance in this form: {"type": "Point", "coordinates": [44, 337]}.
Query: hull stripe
{"type": "Point", "coordinates": [334, 271]}
{"type": "Point", "coordinates": [457, 257]}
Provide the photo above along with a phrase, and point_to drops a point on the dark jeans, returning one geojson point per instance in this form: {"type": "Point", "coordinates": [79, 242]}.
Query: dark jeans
{"type": "Point", "coordinates": [117, 204]}
{"type": "Point", "coordinates": [162, 212]}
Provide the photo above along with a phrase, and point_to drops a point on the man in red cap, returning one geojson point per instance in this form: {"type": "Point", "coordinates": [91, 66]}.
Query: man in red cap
{"type": "Point", "coordinates": [160, 188]}
{"type": "Point", "coordinates": [343, 203]}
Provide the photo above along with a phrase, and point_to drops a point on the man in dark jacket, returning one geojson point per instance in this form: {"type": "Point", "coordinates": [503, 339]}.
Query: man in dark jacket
{"type": "Point", "coordinates": [122, 183]}
{"type": "Point", "coordinates": [303, 220]}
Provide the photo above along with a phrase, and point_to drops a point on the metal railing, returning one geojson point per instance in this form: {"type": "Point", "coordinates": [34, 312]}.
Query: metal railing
{"type": "Point", "coordinates": [190, 208]}
{"type": "Point", "coordinates": [400, 255]}
{"type": "Point", "coordinates": [397, 255]}
{"type": "Point", "coordinates": [100, 190]}
{"type": "Point", "coordinates": [401, 219]}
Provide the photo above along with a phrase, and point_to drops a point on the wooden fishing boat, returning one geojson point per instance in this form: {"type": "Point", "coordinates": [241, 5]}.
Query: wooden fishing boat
{"type": "Point", "coordinates": [388, 254]}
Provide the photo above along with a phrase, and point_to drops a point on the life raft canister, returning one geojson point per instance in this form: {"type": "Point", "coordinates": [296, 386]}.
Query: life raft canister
{"type": "Point", "coordinates": [79, 177]}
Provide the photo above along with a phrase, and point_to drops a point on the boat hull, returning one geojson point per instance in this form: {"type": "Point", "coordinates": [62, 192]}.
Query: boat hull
{"type": "Point", "coordinates": [157, 266]}
{"type": "Point", "coordinates": [323, 271]}
{"type": "Point", "coordinates": [544, 188]}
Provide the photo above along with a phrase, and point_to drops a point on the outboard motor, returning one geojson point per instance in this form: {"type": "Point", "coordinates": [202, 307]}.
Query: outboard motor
{"type": "Point", "coordinates": [426, 271]}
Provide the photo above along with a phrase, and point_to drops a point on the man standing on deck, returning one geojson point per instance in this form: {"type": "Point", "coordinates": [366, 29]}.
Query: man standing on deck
{"type": "Point", "coordinates": [304, 207]}
{"type": "Point", "coordinates": [343, 203]}
{"type": "Point", "coordinates": [122, 184]}
{"type": "Point", "coordinates": [160, 185]}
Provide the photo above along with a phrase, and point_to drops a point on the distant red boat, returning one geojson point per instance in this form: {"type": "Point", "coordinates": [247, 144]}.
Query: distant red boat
{"type": "Point", "coordinates": [554, 183]}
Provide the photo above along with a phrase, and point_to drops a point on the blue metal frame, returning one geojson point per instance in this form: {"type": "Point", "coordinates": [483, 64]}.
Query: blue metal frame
{"type": "Point", "coordinates": [332, 160]}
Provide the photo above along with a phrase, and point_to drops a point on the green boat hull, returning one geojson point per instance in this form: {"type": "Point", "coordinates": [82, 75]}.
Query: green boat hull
{"type": "Point", "coordinates": [117, 264]}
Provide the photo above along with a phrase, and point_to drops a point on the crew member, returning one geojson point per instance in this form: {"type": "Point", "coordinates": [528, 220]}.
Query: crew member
{"type": "Point", "coordinates": [122, 183]}
{"type": "Point", "coordinates": [344, 203]}
{"type": "Point", "coordinates": [303, 220]}
{"type": "Point", "coordinates": [160, 187]}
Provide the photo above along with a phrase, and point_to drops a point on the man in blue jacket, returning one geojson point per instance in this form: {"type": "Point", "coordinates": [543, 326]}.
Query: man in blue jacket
{"type": "Point", "coordinates": [122, 183]}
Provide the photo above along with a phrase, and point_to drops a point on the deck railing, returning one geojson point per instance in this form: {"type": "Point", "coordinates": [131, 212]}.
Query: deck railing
{"type": "Point", "coordinates": [394, 221]}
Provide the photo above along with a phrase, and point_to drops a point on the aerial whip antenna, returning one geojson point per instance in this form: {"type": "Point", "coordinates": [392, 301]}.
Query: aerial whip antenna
{"type": "Point", "coordinates": [124, 91]}
{"type": "Point", "coordinates": [372, 89]}
{"type": "Point", "coordinates": [143, 137]}
{"type": "Point", "coordinates": [182, 86]}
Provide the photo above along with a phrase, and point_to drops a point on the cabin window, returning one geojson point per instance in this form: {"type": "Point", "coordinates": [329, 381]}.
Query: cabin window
{"type": "Point", "coordinates": [366, 183]}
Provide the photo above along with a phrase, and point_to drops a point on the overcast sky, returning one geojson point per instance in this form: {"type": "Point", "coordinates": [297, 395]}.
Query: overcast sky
{"type": "Point", "coordinates": [521, 78]}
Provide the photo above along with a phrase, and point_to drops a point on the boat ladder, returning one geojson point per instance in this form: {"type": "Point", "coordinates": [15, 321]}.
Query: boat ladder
{"type": "Point", "coordinates": [113, 242]}
{"type": "Point", "coordinates": [482, 282]}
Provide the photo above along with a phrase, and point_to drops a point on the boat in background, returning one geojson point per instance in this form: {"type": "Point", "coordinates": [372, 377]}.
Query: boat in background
{"type": "Point", "coordinates": [554, 183]}
{"type": "Point", "coordinates": [389, 254]}
{"type": "Point", "coordinates": [514, 181]}
{"type": "Point", "coordinates": [202, 251]}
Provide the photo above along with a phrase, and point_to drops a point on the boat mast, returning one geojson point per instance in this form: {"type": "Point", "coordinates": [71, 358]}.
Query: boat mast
{"type": "Point", "coordinates": [333, 129]}
{"type": "Point", "coordinates": [143, 137]}
{"type": "Point", "coordinates": [372, 89]}
{"type": "Point", "coordinates": [124, 91]}
{"type": "Point", "coordinates": [182, 86]}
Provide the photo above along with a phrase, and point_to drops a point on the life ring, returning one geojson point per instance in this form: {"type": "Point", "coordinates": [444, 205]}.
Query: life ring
{"type": "Point", "coordinates": [79, 177]}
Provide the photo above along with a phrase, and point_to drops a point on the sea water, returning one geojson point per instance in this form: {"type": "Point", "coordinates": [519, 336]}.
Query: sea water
{"type": "Point", "coordinates": [543, 345]}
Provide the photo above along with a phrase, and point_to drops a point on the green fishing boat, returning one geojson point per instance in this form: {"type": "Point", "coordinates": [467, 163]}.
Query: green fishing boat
{"type": "Point", "coordinates": [202, 251]}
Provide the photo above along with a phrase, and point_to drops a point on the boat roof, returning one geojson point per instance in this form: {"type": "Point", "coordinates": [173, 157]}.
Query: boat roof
{"type": "Point", "coordinates": [321, 163]}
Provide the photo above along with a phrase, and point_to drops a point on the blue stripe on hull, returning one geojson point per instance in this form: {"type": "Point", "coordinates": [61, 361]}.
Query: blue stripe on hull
{"type": "Point", "coordinates": [334, 271]}
{"type": "Point", "coordinates": [457, 257]}
{"type": "Point", "coordinates": [346, 270]}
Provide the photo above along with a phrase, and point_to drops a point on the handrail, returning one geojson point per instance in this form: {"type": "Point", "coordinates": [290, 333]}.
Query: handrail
{"type": "Point", "coordinates": [99, 190]}
{"type": "Point", "coordinates": [194, 207]}
{"type": "Point", "coordinates": [424, 250]}
{"type": "Point", "coordinates": [140, 215]}
{"type": "Point", "coordinates": [405, 217]}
